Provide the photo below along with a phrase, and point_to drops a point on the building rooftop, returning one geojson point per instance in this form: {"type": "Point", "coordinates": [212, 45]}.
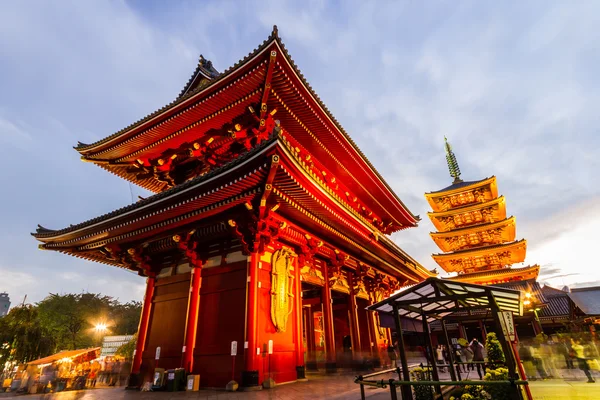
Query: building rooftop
{"type": "Point", "coordinates": [587, 299]}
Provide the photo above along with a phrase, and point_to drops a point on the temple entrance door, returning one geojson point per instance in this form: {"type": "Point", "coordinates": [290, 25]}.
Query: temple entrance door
{"type": "Point", "coordinates": [344, 341]}
{"type": "Point", "coordinates": [313, 328]}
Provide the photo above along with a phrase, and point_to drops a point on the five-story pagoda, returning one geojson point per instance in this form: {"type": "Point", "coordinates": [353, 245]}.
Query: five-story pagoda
{"type": "Point", "coordinates": [473, 231]}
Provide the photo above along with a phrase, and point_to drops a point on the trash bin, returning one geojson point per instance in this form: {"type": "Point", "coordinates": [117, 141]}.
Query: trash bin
{"type": "Point", "coordinates": [175, 380]}
{"type": "Point", "coordinates": [193, 383]}
{"type": "Point", "coordinates": [159, 379]}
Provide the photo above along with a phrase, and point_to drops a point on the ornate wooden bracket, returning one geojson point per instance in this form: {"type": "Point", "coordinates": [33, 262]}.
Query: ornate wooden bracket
{"type": "Point", "coordinates": [133, 259]}
{"type": "Point", "coordinates": [334, 269]}
{"type": "Point", "coordinates": [255, 234]}
{"type": "Point", "coordinates": [189, 247]}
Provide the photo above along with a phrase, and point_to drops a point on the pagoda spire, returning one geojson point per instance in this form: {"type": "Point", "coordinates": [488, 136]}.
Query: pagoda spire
{"type": "Point", "coordinates": [452, 163]}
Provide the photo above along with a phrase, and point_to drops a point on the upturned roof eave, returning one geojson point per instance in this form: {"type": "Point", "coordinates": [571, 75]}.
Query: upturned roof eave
{"type": "Point", "coordinates": [409, 219]}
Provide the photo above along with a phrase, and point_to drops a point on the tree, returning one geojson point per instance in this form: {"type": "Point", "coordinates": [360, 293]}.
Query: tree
{"type": "Point", "coordinates": [126, 317]}
{"type": "Point", "coordinates": [126, 350]}
{"type": "Point", "coordinates": [22, 337]}
{"type": "Point", "coordinates": [70, 318]}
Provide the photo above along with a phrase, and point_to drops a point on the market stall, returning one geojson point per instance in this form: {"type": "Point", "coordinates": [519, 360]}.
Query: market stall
{"type": "Point", "coordinates": [69, 369]}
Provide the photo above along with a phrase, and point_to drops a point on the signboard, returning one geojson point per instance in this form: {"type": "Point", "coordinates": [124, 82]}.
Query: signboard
{"type": "Point", "coordinates": [234, 348]}
{"type": "Point", "coordinates": [508, 325]}
{"type": "Point", "coordinates": [245, 345]}
{"type": "Point", "coordinates": [270, 347]}
{"type": "Point", "coordinates": [157, 353]}
{"type": "Point", "coordinates": [171, 376]}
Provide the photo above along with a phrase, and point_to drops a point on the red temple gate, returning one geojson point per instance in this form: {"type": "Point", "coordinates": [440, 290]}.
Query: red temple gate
{"type": "Point", "coordinates": [260, 229]}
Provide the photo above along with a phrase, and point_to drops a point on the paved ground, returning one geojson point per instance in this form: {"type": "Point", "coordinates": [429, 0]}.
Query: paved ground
{"type": "Point", "coordinates": [340, 387]}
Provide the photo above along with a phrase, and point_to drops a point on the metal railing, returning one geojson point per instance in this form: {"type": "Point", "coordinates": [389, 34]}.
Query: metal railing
{"type": "Point", "coordinates": [363, 380]}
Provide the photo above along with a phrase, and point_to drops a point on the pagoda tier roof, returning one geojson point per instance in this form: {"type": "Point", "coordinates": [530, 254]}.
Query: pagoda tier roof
{"type": "Point", "coordinates": [507, 229]}
{"type": "Point", "coordinates": [461, 186]}
{"type": "Point", "coordinates": [497, 276]}
{"type": "Point", "coordinates": [266, 75]}
{"type": "Point", "coordinates": [437, 218]}
{"type": "Point", "coordinates": [462, 260]}
{"type": "Point", "coordinates": [434, 198]}
{"type": "Point", "coordinates": [204, 201]}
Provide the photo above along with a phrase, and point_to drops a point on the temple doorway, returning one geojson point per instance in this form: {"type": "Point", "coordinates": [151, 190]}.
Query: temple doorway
{"type": "Point", "coordinates": [313, 327]}
{"type": "Point", "coordinates": [344, 340]}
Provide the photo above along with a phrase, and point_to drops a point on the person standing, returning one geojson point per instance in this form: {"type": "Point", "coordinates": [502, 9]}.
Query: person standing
{"type": "Point", "coordinates": [477, 349]}
{"type": "Point", "coordinates": [439, 351]}
{"type": "Point", "coordinates": [467, 356]}
{"type": "Point", "coordinates": [580, 356]}
{"type": "Point", "coordinates": [392, 355]}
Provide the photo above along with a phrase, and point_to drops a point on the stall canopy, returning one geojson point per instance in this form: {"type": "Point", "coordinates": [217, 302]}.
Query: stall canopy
{"type": "Point", "coordinates": [64, 354]}
{"type": "Point", "coordinates": [441, 299]}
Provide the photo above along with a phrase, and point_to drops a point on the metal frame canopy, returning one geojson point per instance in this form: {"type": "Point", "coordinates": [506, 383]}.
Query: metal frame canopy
{"type": "Point", "coordinates": [439, 298]}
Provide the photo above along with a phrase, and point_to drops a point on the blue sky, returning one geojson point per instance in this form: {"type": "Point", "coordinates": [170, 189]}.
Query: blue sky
{"type": "Point", "coordinates": [513, 86]}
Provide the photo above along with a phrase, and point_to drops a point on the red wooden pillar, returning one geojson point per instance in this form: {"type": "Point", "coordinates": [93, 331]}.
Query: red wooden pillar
{"type": "Point", "coordinates": [300, 369]}
{"type": "Point", "coordinates": [143, 327]}
{"type": "Point", "coordinates": [374, 345]}
{"type": "Point", "coordinates": [192, 319]}
{"type": "Point", "coordinates": [354, 331]}
{"type": "Point", "coordinates": [330, 364]}
{"type": "Point", "coordinates": [250, 375]}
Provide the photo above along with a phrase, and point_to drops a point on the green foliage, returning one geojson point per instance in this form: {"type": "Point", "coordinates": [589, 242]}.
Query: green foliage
{"type": "Point", "coordinates": [63, 322]}
{"type": "Point", "coordinates": [22, 337]}
{"type": "Point", "coordinates": [126, 350]}
{"type": "Point", "coordinates": [422, 392]}
{"type": "Point", "coordinates": [472, 392]}
{"type": "Point", "coordinates": [493, 347]}
{"type": "Point", "coordinates": [498, 374]}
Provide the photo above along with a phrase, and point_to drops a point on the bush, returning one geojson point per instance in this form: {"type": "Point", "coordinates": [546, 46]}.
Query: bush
{"type": "Point", "coordinates": [498, 374]}
{"type": "Point", "coordinates": [493, 347]}
{"type": "Point", "coordinates": [422, 392]}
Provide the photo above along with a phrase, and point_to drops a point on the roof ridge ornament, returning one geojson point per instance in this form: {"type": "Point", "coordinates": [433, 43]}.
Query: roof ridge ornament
{"type": "Point", "coordinates": [452, 163]}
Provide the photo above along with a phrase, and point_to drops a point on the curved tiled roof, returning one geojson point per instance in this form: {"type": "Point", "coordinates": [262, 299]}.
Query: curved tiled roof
{"type": "Point", "coordinates": [459, 185]}
{"type": "Point", "coordinates": [82, 147]}
{"type": "Point", "coordinates": [205, 68]}
{"type": "Point", "coordinates": [274, 36]}
{"type": "Point", "coordinates": [482, 248]}
{"type": "Point", "coordinates": [42, 232]}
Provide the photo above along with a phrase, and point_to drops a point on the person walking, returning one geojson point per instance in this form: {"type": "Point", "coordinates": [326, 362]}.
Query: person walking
{"type": "Point", "coordinates": [580, 356]}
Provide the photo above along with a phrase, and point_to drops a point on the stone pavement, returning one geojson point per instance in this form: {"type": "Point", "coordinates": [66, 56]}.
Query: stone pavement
{"type": "Point", "coordinates": [339, 387]}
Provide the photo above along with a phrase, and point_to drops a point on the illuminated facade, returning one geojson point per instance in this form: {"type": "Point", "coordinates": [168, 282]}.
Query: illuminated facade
{"type": "Point", "coordinates": [268, 224]}
{"type": "Point", "coordinates": [474, 233]}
